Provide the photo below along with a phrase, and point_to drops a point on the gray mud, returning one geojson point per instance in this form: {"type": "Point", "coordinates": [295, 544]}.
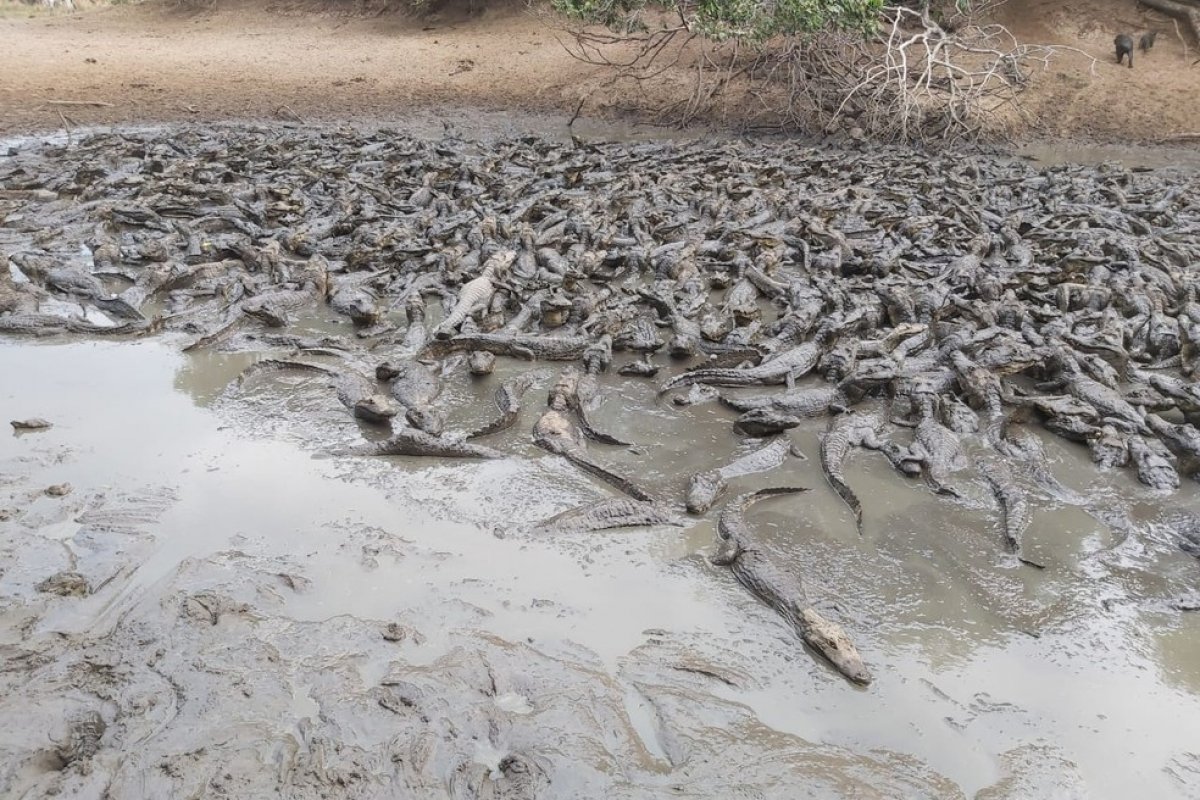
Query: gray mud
{"type": "Point", "coordinates": [258, 622]}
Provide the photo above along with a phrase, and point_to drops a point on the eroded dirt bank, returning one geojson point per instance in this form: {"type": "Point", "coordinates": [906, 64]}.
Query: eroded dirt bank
{"type": "Point", "coordinates": [154, 62]}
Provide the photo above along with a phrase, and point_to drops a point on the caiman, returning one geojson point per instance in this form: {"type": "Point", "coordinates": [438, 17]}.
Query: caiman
{"type": "Point", "coordinates": [705, 487]}
{"type": "Point", "coordinates": [783, 368]}
{"type": "Point", "coordinates": [556, 433]}
{"type": "Point", "coordinates": [1153, 467]}
{"type": "Point", "coordinates": [1014, 505]}
{"type": "Point", "coordinates": [415, 387]}
{"type": "Point", "coordinates": [476, 293]}
{"type": "Point", "coordinates": [766, 421]}
{"type": "Point", "coordinates": [354, 390]}
{"type": "Point", "coordinates": [613, 512]}
{"type": "Point", "coordinates": [508, 401]}
{"type": "Point", "coordinates": [412, 442]}
{"type": "Point", "coordinates": [527, 346]}
{"type": "Point", "coordinates": [781, 591]}
{"type": "Point", "coordinates": [802, 403]}
{"type": "Point", "coordinates": [568, 388]}
{"type": "Point", "coordinates": [845, 431]}
{"type": "Point", "coordinates": [936, 448]}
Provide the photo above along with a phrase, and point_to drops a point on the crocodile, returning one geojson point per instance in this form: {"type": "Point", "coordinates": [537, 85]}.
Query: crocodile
{"type": "Point", "coordinates": [415, 387]}
{"type": "Point", "coordinates": [851, 429]}
{"type": "Point", "coordinates": [766, 421]}
{"type": "Point", "coordinates": [481, 362]}
{"type": "Point", "coordinates": [960, 418]}
{"type": "Point", "coordinates": [1014, 505]}
{"type": "Point", "coordinates": [358, 303]}
{"type": "Point", "coordinates": [613, 512]}
{"type": "Point", "coordinates": [568, 388]}
{"type": "Point", "coordinates": [936, 448]}
{"type": "Point", "coordinates": [1109, 446]}
{"type": "Point", "coordinates": [802, 403]}
{"type": "Point", "coordinates": [354, 390]}
{"type": "Point", "coordinates": [413, 442]}
{"type": "Point", "coordinates": [1153, 467]}
{"type": "Point", "coordinates": [516, 345]}
{"type": "Point", "coordinates": [984, 390]}
{"type": "Point", "coordinates": [705, 487]}
{"type": "Point", "coordinates": [508, 400]}
{"type": "Point", "coordinates": [476, 293]}
{"type": "Point", "coordinates": [1183, 440]}
{"type": "Point", "coordinates": [1026, 450]}
{"type": "Point", "coordinates": [1186, 394]}
{"type": "Point", "coordinates": [785, 367]}
{"type": "Point", "coordinates": [556, 433]}
{"type": "Point", "coordinates": [1108, 402]}
{"type": "Point", "coordinates": [1185, 526]}
{"type": "Point", "coordinates": [780, 591]}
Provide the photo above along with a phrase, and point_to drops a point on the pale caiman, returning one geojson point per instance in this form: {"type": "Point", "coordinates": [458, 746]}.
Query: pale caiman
{"type": "Point", "coordinates": [782, 591]}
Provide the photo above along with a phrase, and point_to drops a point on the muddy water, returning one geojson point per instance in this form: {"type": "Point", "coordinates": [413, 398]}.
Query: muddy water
{"type": "Point", "coordinates": [263, 620]}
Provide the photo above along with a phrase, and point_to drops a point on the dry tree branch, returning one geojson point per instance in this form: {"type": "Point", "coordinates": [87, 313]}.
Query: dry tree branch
{"type": "Point", "coordinates": [915, 81]}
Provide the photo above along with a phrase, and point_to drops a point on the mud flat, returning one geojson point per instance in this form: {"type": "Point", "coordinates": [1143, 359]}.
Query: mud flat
{"type": "Point", "coordinates": [255, 621]}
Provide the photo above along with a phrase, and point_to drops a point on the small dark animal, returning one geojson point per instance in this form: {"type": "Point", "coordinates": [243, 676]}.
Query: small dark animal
{"type": "Point", "coordinates": [1147, 41]}
{"type": "Point", "coordinates": [1124, 45]}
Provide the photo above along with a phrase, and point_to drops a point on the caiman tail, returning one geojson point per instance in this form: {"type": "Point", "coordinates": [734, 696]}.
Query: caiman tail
{"type": "Point", "coordinates": [609, 477]}
{"type": "Point", "coordinates": [739, 504]}
{"type": "Point", "coordinates": [715, 377]}
{"type": "Point", "coordinates": [848, 497]}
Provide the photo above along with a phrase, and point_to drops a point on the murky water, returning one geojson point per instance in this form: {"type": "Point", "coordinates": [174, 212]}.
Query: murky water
{"type": "Point", "coordinates": [241, 585]}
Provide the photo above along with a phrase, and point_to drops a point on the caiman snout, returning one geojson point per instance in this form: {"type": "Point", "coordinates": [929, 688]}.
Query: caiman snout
{"type": "Point", "coordinates": [828, 639]}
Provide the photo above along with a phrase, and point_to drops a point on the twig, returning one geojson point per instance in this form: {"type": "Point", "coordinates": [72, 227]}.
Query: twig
{"type": "Point", "coordinates": [1179, 35]}
{"type": "Point", "coordinates": [91, 103]}
{"type": "Point", "coordinates": [66, 127]}
{"type": "Point", "coordinates": [578, 109]}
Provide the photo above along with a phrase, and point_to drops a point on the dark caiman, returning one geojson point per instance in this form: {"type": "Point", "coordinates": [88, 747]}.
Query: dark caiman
{"type": "Point", "coordinates": [705, 487]}
{"type": "Point", "coordinates": [412, 442]}
{"type": "Point", "coordinates": [508, 401]}
{"type": "Point", "coordinates": [355, 391]}
{"type": "Point", "coordinates": [613, 512]}
{"type": "Point", "coordinates": [845, 431]}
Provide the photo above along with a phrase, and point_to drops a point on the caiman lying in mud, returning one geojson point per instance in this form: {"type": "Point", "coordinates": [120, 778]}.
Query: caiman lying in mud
{"type": "Point", "coordinates": [782, 592]}
{"type": "Point", "coordinates": [613, 512]}
{"type": "Point", "coordinates": [508, 401]}
{"type": "Point", "coordinates": [413, 442]}
{"type": "Point", "coordinates": [355, 391]}
{"type": "Point", "coordinates": [556, 433]}
{"type": "Point", "coordinates": [705, 487]}
{"type": "Point", "coordinates": [847, 431]}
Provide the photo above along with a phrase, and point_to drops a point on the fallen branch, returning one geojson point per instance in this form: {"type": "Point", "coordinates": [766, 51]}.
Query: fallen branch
{"type": "Point", "coordinates": [66, 127]}
{"type": "Point", "coordinates": [1180, 138]}
{"type": "Point", "coordinates": [1183, 12]}
{"type": "Point", "coordinates": [90, 103]}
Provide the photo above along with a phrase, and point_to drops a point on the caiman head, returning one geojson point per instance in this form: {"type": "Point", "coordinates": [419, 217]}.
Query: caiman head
{"type": "Point", "coordinates": [702, 492]}
{"type": "Point", "coordinates": [828, 639]}
{"type": "Point", "coordinates": [429, 420]}
{"type": "Point", "coordinates": [377, 408]}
